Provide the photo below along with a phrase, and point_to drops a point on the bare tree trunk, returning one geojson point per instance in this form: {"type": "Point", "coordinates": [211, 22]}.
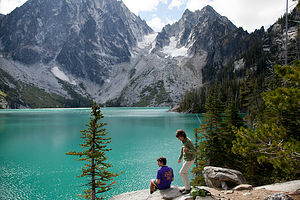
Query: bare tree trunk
{"type": "Point", "coordinates": [93, 169]}
{"type": "Point", "coordinates": [93, 181]}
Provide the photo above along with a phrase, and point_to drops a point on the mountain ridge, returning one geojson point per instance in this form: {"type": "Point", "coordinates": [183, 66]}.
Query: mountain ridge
{"type": "Point", "coordinates": [107, 54]}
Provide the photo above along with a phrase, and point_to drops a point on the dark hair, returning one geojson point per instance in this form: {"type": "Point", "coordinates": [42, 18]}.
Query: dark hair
{"type": "Point", "coordinates": [162, 159]}
{"type": "Point", "coordinates": [180, 133]}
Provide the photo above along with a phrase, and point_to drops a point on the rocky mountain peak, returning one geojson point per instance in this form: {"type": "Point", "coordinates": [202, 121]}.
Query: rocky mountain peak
{"type": "Point", "coordinates": [194, 28]}
{"type": "Point", "coordinates": [101, 50]}
{"type": "Point", "coordinates": [81, 36]}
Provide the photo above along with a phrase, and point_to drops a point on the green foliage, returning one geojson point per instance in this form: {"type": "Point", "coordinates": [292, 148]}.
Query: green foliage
{"type": "Point", "coordinates": [194, 101]}
{"type": "Point", "coordinates": [95, 144]}
{"type": "Point", "coordinates": [250, 97]}
{"type": "Point", "coordinates": [276, 138]}
{"type": "Point", "coordinates": [208, 141]}
{"type": "Point", "coordinates": [231, 120]}
{"type": "Point", "coordinates": [77, 99]}
{"type": "Point", "coordinates": [201, 161]}
{"type": "Point", "coordinates": [154, 92]}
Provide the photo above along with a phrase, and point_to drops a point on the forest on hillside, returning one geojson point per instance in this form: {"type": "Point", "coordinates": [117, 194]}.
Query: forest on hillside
{"type": "Point", "coordinates": [264, 144]}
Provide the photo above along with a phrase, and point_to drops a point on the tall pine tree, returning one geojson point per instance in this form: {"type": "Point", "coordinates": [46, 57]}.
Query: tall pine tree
{"type": "Point", "coordinates": [276, 139]}
{"type": "Point", "coordinates": [95, 144]}
{"type": "Point", "coordinates": [209, 148]}
{"type": "Point", "coordinates": [231, 120]}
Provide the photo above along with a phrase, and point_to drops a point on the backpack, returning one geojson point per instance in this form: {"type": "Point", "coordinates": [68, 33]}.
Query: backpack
{"type": "Point", "coordinates": [199, 192]}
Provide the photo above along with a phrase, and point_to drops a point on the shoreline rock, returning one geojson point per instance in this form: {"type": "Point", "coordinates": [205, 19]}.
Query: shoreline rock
{"type": "Point", "coordinates": [261, 192]}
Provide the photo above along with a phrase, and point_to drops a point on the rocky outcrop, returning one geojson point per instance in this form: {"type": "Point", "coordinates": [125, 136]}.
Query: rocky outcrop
{"type": "Point", "coordinates": [171, 193]}
{"type": "Point", "coordinates": [259, 193]}
{"type": "Point", "coordinates": [290, 186]}
{"type": "Point", "coordinates": [218, 177]}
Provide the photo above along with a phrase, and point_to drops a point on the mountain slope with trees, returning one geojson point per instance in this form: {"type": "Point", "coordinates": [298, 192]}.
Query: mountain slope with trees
{"type": "Point", "coordinates": [265, 146]}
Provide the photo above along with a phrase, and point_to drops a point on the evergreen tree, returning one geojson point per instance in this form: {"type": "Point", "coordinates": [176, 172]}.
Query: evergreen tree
{"type": "Point", "coordinates": [212, 127]}
{"type": "Point", "coordinates": [209, 148]}
{"type": "Point", "coordinates": [95, 143]}
{"type": "Point", "coordinates": [231, 120]}
{"type": "Point", "coordinates": [201, 157]}
{"type": "Point", "coordinates": [250, 97]}
{"type": "Point", "coordinates": [276, 139]}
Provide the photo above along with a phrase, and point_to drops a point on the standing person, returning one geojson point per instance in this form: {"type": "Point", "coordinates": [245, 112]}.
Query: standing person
{"type": "Point", "coordinates": [164, 176]}
{"type": "Point", "coordinates": [188, 152]}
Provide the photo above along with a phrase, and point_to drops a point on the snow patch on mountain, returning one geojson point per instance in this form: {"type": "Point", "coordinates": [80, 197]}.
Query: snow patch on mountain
{"type": "Point", "coordinates": [147, 40]}
{"type": "Point", "coordinates": [172, 49]}
{"type": "Point", "coordinates": [61, 75]}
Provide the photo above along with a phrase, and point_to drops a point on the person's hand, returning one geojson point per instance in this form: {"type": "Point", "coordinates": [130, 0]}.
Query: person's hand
{"type": "Point", "coordinates": [185, 149]}
{"type": "Point", "coordinates": [179, 161]}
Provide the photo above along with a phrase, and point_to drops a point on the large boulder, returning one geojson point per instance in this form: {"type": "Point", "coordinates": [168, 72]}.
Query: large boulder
{"type": "Point", "coordinates": [218, 177]}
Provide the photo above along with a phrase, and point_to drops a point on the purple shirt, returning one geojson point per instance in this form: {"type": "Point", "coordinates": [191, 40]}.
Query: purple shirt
{"type": "Point", "coordinates": [165, 175]}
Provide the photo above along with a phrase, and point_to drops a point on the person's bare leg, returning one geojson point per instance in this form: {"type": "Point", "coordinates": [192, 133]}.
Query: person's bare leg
{"type": "Point", "coordinates": [151, 186]}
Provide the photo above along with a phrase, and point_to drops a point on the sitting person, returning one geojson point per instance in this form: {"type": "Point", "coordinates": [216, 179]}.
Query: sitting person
{"type": "Point", "coordinates": [164, 176]}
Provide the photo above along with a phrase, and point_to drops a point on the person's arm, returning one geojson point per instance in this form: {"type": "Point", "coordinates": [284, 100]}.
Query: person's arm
{"type": "Point", "coordinates": [181, 155]}
{"type": "Point", "coordinates": [158, 181]}
{"type": "Point", "coordinates": [172, 175]}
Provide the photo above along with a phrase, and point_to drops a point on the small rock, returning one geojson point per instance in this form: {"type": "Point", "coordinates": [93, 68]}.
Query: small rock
{"type": "Point", "coordinates": [246, 194]}
{"type": "Point", "coordinates": [278, 196]}
{"type": "Point", "coordinates": [228, 192]}
{"type": "Point", "coordinates": [185, 197]}
{"type": "Point", "coordinates": [243, 187]}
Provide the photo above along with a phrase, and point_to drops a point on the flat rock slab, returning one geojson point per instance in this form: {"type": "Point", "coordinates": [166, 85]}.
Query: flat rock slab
{"type": "Point", "coordinates": [171, 193]}
{"type": "Point", "coordinates": [290, 186]}
{"type": "Point", "coordinates": [140, 194]}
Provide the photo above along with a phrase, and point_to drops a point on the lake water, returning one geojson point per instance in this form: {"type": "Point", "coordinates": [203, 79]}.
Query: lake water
{"type": "Point", "coordinates": [33, 143]}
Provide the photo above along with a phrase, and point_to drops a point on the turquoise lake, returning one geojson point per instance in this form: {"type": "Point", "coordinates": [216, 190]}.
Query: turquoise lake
{"type": "Point", "coordinates": [33, 143]}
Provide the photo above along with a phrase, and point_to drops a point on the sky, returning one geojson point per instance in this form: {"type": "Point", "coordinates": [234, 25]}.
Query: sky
{"type": "Point", "coordinates": [248, 14]}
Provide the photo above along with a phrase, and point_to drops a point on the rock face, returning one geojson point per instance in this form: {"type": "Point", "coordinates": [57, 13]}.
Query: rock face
{"type": "Point", "coordinates": [82, 37]}
{"type": "Point", "coordinates": [107, 53]}
{"type": "Point", "coordinates": [217, 177]}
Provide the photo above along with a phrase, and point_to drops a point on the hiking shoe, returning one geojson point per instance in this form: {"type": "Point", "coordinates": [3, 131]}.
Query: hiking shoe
{"type": "Point", "coordinates": [181, 190]}
{"type": "Point", "coordinates": [186, 191]}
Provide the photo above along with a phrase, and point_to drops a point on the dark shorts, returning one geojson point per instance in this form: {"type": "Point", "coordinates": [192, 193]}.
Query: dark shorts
{"type": "Point", "coordinates": [157, 186]}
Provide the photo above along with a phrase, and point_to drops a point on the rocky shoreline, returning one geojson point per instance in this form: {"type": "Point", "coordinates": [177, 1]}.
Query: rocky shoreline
{"type": "Point", "coordinates": [279, 191]}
